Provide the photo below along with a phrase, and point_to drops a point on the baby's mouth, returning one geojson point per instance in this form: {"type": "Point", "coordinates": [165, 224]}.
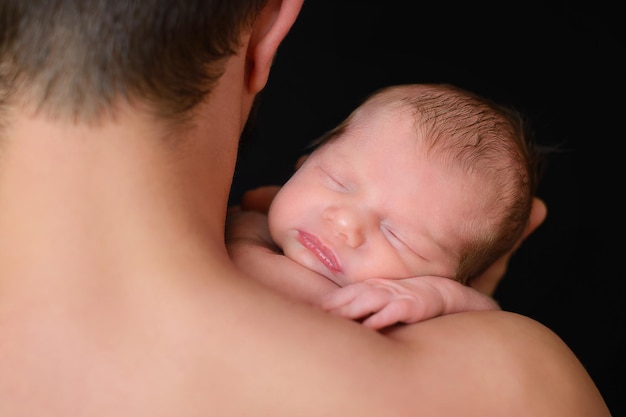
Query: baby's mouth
{"type": "Point", "coordinates": [324, 254]}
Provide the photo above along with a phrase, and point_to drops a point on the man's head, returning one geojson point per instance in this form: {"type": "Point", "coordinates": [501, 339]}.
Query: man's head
{"type": "Point", "coordinates": [75, 59]}
{"type": "Point", "coordinates": [419, 180]}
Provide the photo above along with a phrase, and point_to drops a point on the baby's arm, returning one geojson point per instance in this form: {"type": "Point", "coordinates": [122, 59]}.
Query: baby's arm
{"type": "Point", "coordinates": [383, 302]}
{"type": "Point", "coordinates": [251, 249]}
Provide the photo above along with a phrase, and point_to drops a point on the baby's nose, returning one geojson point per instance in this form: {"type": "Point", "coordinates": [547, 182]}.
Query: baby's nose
{"type": "Point", "coordinates": [347, 223]}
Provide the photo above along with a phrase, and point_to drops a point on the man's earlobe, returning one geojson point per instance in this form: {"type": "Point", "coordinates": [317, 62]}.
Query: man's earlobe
{"type": "Point", "coordinates": [268, 31]}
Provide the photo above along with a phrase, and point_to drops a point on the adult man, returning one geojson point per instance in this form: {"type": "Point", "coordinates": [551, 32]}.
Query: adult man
{"type": "Point", "coordinates": [120, 121]}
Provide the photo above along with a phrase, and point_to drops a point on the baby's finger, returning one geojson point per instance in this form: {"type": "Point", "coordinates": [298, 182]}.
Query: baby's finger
{"type": "Point", "coordinates": [363, 304]}
{"type": "Point", "coordinates": [259, 199]}
{"type": "Point", "coordinates": [340, 297]}
{"type": "Point", "coordinates": [388, 315]}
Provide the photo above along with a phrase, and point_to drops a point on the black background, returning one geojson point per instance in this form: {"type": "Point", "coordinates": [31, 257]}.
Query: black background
{"type": "Point", "coordinates": [558, 62]}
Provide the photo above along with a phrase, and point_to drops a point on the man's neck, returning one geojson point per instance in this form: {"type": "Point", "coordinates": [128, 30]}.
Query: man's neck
{"type": "Point", "coordinates": [117, 199]}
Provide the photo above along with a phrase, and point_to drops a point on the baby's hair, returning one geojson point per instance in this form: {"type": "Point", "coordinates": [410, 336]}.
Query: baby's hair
{"type": "Point", "coordinates": [479, 136]}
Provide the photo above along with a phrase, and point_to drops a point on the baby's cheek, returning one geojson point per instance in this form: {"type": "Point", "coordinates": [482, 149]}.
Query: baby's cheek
{"type": "Point", "coordinates": [296, 252]}
{"type": "Point", "coordinates": [383, 262]}
{"type": "Point", "coordinates": [277, 223]}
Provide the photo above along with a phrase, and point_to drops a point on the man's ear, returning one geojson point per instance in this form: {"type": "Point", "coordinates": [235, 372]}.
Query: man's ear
{"type": "Point", "coordinates": [270, 28]}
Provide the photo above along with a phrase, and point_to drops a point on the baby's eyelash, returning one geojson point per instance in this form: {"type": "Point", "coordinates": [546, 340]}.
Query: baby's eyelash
{"type": "Point", "coordinates": [334, 179]}
{"type": "Point", "coordinates": [399, 239]}
{"type": "Point", "coordinates": [391, 232]}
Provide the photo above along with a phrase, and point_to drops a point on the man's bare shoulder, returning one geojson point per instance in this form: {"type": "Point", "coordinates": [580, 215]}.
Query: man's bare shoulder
{"type": "Point", "coordinates": [490, 363]}
{"type": "Point", "coordinates": [237, 349]}
{"type": "Point", "coordinates": [499, 362]}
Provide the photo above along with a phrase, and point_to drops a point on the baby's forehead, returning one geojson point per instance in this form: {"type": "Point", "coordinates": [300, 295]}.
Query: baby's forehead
{"type": "Point", "coordinates": [396, 105]}
{"type": "Point", "coordinates": [386, 102]}
{"type": "Point", "coordinates": [386, 129]}
{"type": "Point", "coordinates": [384, 133]}
{"type": "Point", "coordinates": [412, 114]}
{"type": "Point", "coordinates": [387, 112]}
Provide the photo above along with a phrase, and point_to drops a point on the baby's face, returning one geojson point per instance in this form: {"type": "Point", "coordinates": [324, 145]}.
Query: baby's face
{"type": "Point", "coordinates": [370, 205]}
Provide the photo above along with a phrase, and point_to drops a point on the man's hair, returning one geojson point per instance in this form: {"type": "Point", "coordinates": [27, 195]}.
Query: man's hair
{"type": "Point", "coordinates": [479, 136]}
{"type": "Point", "coordinates": [76, 58]}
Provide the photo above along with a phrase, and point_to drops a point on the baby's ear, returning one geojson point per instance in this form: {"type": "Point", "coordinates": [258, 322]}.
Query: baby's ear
{"type": "Point", "coordinates": [488, 281]}
{"type": "Point", "coordinates": [538, 213]}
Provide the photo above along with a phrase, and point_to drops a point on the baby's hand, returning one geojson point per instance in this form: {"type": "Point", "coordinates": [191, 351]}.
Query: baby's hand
{"type": "Point", "coordinates": [384, 302]}
{"type": "Point", "coordinates": [259, 199]}
{"type": "Point", "coordinates": [244, 230]}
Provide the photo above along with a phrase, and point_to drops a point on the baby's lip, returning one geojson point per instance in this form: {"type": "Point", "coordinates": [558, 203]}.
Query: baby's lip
{"type": "Point", "coordinates": [323, 253]}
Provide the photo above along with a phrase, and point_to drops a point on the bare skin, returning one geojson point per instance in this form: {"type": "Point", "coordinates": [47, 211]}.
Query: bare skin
{"type": "Point", "coordinates": [118, 296]}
